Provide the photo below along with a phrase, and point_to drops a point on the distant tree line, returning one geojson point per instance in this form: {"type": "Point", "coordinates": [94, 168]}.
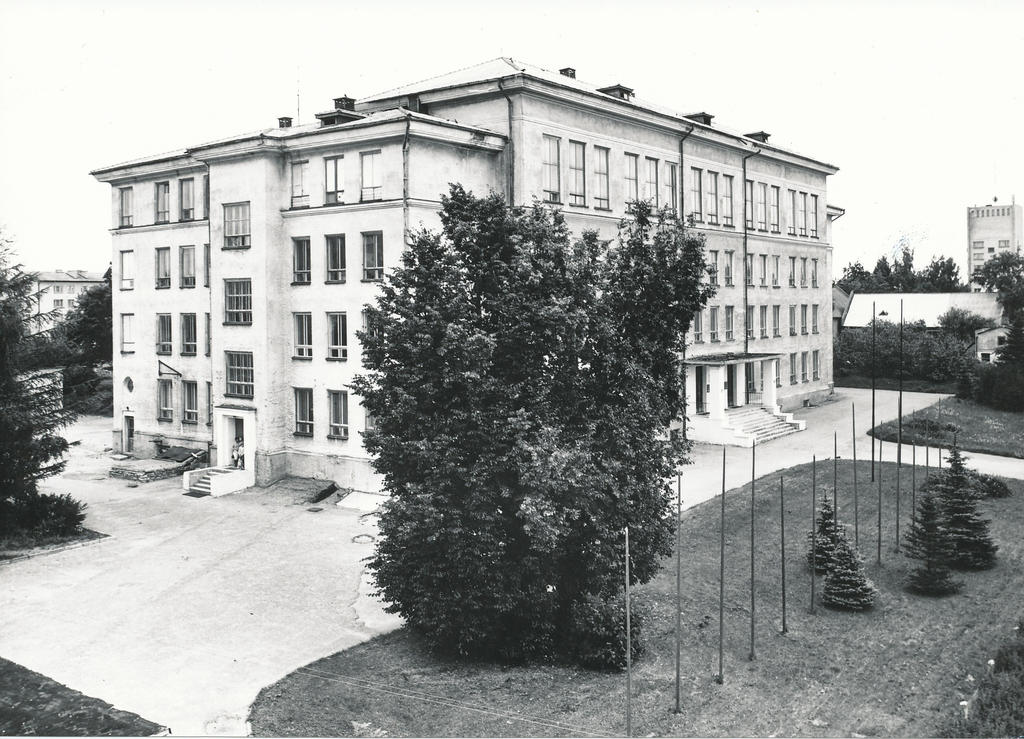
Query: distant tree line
{"type": "Point", "coordinates": [941, 275]}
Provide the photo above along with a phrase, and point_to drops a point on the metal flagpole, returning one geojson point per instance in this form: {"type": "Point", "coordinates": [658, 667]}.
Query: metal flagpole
{"type": "Point", "coordinates": [629, 649]}
{"type": "Point", "coordinates": [814, 537]}
{"type": "Point", "coordinates": [721, 582]}
{"type": "Point", "coordinates": [753, 456]}
{"type": "Point", "coordinates": [879, 501]}
{"type": "Point", "coordinates": [782, 538]}
{"type": "Point", "coordinates": [856, 513]}
{"type": "Point", "coordinates": [679, 582]}
{"type": "Point", "coordinates": [873, 330]}
{"type": "Point", "coordinates": [899, 434]}
{"type": "Point", "coordinates": [913, 484]}
{"type": "Point", "coordinates": [835, 475]}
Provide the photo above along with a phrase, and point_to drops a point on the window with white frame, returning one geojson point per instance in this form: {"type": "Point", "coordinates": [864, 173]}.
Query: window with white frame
{"type": "Point", "coordinates": [301, 268]}
{"type": "Point", "coordinates": [163, 267]}
{"type": "Point", "coordinates": [748, 269]}
{"type": "Point", "coordinates": [126, 264]}
{"type": "Point", "coordinates": [778, 372]}
{"type": "Point", "coordinates": [632, 178]}
{"type": "Point", "coordinates": [814, 216]}
{"type": "Point", "coordinates": [727, 200]}
{"type": "Point", "coordinates": [127, 333]}
{"type": "Point", "coordinates": [369, 169]}
{"type": "Point", "coordinates": [698, 327]}
{"type": "Point", "coordinates": [126, 214]}
{"type": "Point", "coordinates": [337, 400]}
{"type": "Point", "coordinates": [601, 199]}
{"type": "Point", "coordinates": [814, 273]}
{"type": "Point", "coordinates": [713, 266]}
{"type": "Point", "coordinates": [764, 321]}
{"type": "Point", "coordinates": [336, 258]}
{"type": "Point", "coordinates": [697, 193]}
{"type": "Point", "coordinates": [209, 334]}
{"type": "Point", "coordinates": [373, 255]}
{"type": "Point", "coordinates": [792, 271]}
{"type": "Point", "coordinates": [652, 182]}
{"type": "Point", "coordinates": [748, 321]}
{"type": "Point", "coordinates": [803, 366]}
{"type": "Point", "coordinates": [187, 266]}
{"type": "Point", "coordinates": [712, 198]}
{"type": "Point", "coordinates": [577, 173]}
{"type": "Point", "coordinates": [165, 401]}
{"type": "Point", "coordinates": [303, 335]}
{"type": "Point", "coordinates": [189, 401]}
{"type": "Point", "coordinates": [551, 169]}
{"type": "Point", "coordinates": [803, 319]}
{"type": "Point", "coordinates": [334, 180]}
{"type": "Point", "coordinates": [776, 320]}
{"type": "Point", "coordinates": [773, 209]}
{"type": "Point", "coordinates": [236, 226]}
{"type": "Point", "coordinates": [728, 268]}
{"type": "Point", "coordinates": [163, 202]}
{"type": "Point", "coordinates": [791, 214]}
{"type": "Point", "coordinates": [304, 411]}
{"type": "Point", "coordinates": [186, 199]}
{"type": "Point", "coordinates": [792, 320]}
{"type": "Point", "coordinates": [240, 376]}
{"type": "Point", "coordinates": [748, 203]}
{"type": "Point", "coordinates": [816, 365]}
{"type": "Point", "coordinates": [206, 196]}
{"type": "Point", "coordinates": [801, 215]}
{"type": "Point", "coordinates": [189, 340]}
{"type": "Point", "coordinates": [764, 270]}
{"type": "Point", "coordinates": [300, 177]}
{"type": "Point", "coordinates": [672, 186]}
{"type": "Point", "coordinates": [792, 368]}
{"type": "Point", "coordinates": [238, 301]}
{"type": "Point", "coordinates": [337, 336]}
{"type": "Point", "coordinates": [713, 323]}
{"type": "Point", "coordinates": [803, 271]}
{"type": "Point", "coordinates": [729, 321]}
{"type": "Point", "coordinates": [206, 265]}
{"type": "Point", "coordinates": [209, 403]}
{"type": "Point", "coordinates": [164, 340]}
{"type": "Point", "coordinates": [762, 206]}
{"type": "Point", "coordinates": [814, 318]}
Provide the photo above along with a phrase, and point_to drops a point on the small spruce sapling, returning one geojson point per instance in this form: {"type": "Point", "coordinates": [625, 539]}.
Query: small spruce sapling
{"type": "Point", "coordinates": [971, 545]}
{"type": "Point", "coordinates": [827, 534]}
{"type": "Point", "coordinates": [926, 542]}
{"type": "Point", "coordinates": [846, 586]}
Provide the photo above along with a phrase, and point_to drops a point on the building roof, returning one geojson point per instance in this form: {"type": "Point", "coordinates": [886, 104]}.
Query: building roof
{"type": "Point", "coordinates": [927, 307]}
{"type": "Point", "coordinates": [72, 275]}
{"type": "Point", "coordinates": [840, 302]}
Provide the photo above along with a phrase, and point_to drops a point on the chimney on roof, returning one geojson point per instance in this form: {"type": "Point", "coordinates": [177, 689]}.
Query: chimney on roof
{"type": "Point", "coordinates": [704, 118]}
{"type": "Point", "coordinates": [761, 136]}
{"type": "Point", "coordinates": [344, 103]}
{"type": "Point", "coordinates": [284, 122]}
{"type": "Point", "coordinates": [568, 72]}
{"type": "Point", "coordinates": [618, 91]}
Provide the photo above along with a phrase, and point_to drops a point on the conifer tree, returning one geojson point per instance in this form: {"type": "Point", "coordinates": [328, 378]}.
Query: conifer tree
{"type": "Point", "coordinates": [927, 543]}
{"type": "Point", "coordinates": [826, 536]}
{"type": "Point", "coordinates": [846, 586]}
{"type": "Point", "coordinates": [971, 545]}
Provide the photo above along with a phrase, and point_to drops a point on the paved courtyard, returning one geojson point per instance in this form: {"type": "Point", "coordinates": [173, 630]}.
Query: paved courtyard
{"type": "Point", "coordinates": [190, 606]}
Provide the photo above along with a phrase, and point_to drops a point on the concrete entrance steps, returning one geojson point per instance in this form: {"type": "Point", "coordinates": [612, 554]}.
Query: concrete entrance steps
{"type": "Point", "coordinates": [755, 422]}
{"type": "Point", "coordinates": [201, 484]}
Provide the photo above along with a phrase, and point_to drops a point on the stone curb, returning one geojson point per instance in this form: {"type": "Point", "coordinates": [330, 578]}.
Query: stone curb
{"type": "Point", "coordinates": [54, 550]}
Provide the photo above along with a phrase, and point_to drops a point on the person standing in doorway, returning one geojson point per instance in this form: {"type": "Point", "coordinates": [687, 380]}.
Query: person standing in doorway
{"type": "Point", "coordinates": [238, 454]}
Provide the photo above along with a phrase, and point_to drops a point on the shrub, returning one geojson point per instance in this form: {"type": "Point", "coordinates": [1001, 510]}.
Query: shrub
{"type": "Point", "coordinates": [988, 486]}
{"type": "Point", "coordinates": [998, 386]}
{"type": "Point", "coordinates": [42, 514]}
{"type": "Point", "coordinates": [597, 632]}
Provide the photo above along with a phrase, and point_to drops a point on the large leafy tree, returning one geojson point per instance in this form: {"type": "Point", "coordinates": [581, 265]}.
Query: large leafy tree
{"type": "Point", "coordinates": [1004, 273]}
{"type": "Point", "coordinates": [942, 275]}
{"type": "Point", "coordinates": [963, 324]}
{"type": "Point", "coordinates": [89, 327]}
{"type": "Point", "coordinates": [522, 384]}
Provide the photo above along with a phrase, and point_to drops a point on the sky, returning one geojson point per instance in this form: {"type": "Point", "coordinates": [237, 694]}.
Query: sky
{"type": "Point", "coordinates": [919, 104]}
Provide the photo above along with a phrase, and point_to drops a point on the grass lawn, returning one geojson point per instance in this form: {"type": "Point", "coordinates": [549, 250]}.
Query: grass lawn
{"type": "Point", "coordinates": [33, 704]}
{"type": "Point", "coordinates": [30, 544]}
{"type": "Point", "coordinates": [897, 670]}
{"type": "Point", "coordinates": [979, 428]}
{"type": "Point", "coordinates": [892, 383]}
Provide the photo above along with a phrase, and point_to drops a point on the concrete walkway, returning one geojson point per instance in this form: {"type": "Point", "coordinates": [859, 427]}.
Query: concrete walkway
{"type": "Point", "coordinates": [192, 605]}
{"type": "Point", "coordinates": [703, 479]}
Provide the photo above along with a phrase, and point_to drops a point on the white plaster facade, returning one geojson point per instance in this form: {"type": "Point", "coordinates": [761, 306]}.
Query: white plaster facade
{"type": "Point", "coordinates": [507, 116]}
{"type": "Point", "coordinates": [991, 230]}
{"type": "Point", "coordinates": [58, 292]}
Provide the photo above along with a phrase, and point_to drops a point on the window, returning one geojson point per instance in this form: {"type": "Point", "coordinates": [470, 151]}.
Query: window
{"type": "Point", "coordinates": [672, 187]}
{"type": "Point", "coordinates": [986, 356]}
{"type": "Point", "coordinates": [792, 271]}
{"type": "Point", "coordinates": [206, 196]}
{"type": "Point", "coordinates": [748, 321]}
{"type": "Point", "coordinates": [336, 258]}
{"type": "Point", "coordinates": [301, 271]}
{"type": "Point", "coordinates": [698, 327]}
{"type": "Point", "coordinates": [713, 266]}
{"type": "Point", "coordinates": [334, 180]}
{"type": "Point", "coordinates": [729, 322]}
{"type": "Point", "coordinates": [791, 214]}
{"type": "Point", "coordinates": [187, 266]}
{"type": "Point", "coordinates": [762, 206]}
{"type": "Point", "coordinates": [337, 336]}
{"type": "Point", "coordinates": [803, 366]}
{"type": "Point", "coordinates": [209, 403]}
{"type": "Point", "coordinates": [373, 256]}
{"type": "Point", "coordinates": [206, 265]}
{"type": "Point", "coordinates": [165, 401]}
{"type": "Point", "coordinates": [551, 167]}
{"type": "Point", "coordinates": [300, 175]}
{"type": "Point", "coordinates": [748, 269]}
{"type": "Point", "coordinates": [778, 372]}
{"type": "Point", "coordinates": [127, 334]}
{"type": "Point", "coordinates": [776, 320]}
{"type": "Point", "coordinates": [713, 323]}
{"type": "Point", "coordinates": [163, 333]}
{"type": "Point", "coordinates": [801, 214]}
{"type": "Point", "coordinates": [803, 271]}
{"type": "Point", "coordinates": [577, 174]}
{"type": "Point", "coordinates": [207, 324]}
{"type": "Point", "coordinates": [727, 200]}
{"type": "Point", "coordinates": [773, 210]}
{"type": "Point", "coordinates": [239, 374]}
{"type": "Point", "coordinates": [792, 368]}
{"type": "Point", "coordinates": [370, 327]}
{"type": "Point", "coordinates": [186, 199]}
{"type": "Point", "coordinates": [728, 268]}
{"type": "Point", "coordinates": [370, 421]}
{"type": "Point", "coordinates": [369, 168]}
{"type": "Point", "coordinates": [601, 173]}
{"type": "Point", "coordinates": [814, 273]}
{"type": "Point", "coordinates": [163, 202]}
{"type": "Point", "coordinates": [304, 411]}
{"type": "Point", "coordinates": [632, 178]}
{"type": "Point", "coordinates": [236, 226]}
{"type": "Point", "coordinates": [163, 267]}
{"type": "Point", "coordinates": [1004, 243]}
{"type": "Point", "coordinates": [338, 402]}
{"type": "Point", "coordinates": [652, 182]}
{"type": "Point", "coordinates": [748, 204]}
{"type": "Point", "coordinates": [803, 319]}
{"type": "Point", "coordinates": [303, 335]}
{"type": "Point", "coordinates": [189, 401]}
{"type": "Point", "coordinates": [697, 187]}
{"type": "Point", "coordinates": [188, 333]}
{"type": "Point", "coordinates": [712, 198]}
{"type": "Point", "coordinates": [814, 216]}
{"type": "Point", "coordinates": [792, 320]}
{"type": "Point", "coordinates": [814, 318]}
{"type": "Point", "coordinates": [816, 365]}
{"type": "Point", "coordinates": [764, 321]}
{"type": "Point", "coordinates": [125, 202]}
{"type": "Point", "coordinates": [127, 269]}
{"type": "Point", "coordinates": [238, 301]}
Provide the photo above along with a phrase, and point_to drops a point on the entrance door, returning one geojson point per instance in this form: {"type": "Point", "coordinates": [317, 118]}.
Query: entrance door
{"type": "Point", "coordinates": [730, 384]}
{"type": "Point", "coordinates": [700, 382]}
{"type": "Point", "coordinates": [748, 375]}
{"type": "Point", "coordinates": [128, 432]}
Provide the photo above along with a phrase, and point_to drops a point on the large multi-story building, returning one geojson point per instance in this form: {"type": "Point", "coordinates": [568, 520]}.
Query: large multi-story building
{"type": "Point", "coordinates": [58, 292]}
{"type": "Point", "coordinates": [241, 266]}
{"type": "Point", "coordinates": [991, 230]}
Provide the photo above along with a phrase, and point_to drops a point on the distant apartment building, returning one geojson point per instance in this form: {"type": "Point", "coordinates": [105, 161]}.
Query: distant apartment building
{"type": "Point", "coordinates": [991, 230]}
{"type": "Point", "coordinates": [241, 267]}
{"type": "Point", "coordinates": [58, 292]}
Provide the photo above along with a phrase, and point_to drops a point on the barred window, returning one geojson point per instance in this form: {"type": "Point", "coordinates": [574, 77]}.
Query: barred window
{"type": "Point", "coordinates": [236, 226]}
{"type": "Point", "coordinates": [239, 374]}
{"type": "Point", "coordinates": [303, 335]}
{"type": "Point", "coordinates": [238, 301]}
{"type": "Point", "coordinates": [304, 411]}
{"type": "Point", "coordinates": [336, 258]}
{"type": "Point", "coordinates": [337, 340]}
{"type": "Point", "coordinates": [338, 402]}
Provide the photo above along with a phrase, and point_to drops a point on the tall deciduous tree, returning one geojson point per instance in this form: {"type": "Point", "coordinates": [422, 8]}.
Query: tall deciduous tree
{"type": "Point", "coordinates": [1004, 273]}
{"type": "Point", "coordinates": [89, 327]}
{"type": "Point", "coordinates": [522, 384]}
